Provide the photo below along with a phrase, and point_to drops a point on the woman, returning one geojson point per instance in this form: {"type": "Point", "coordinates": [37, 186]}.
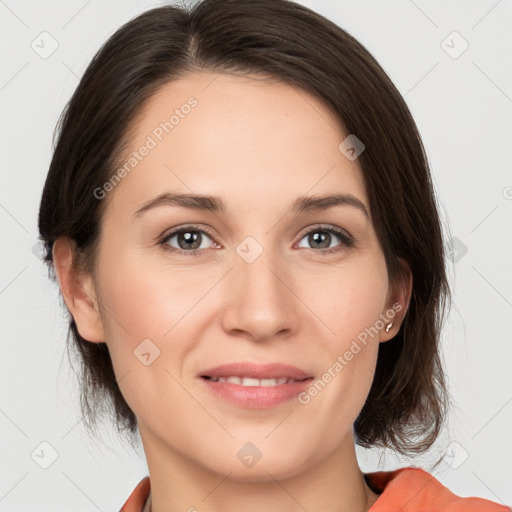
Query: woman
{"type": "Point", "coordinates": [240, 216]}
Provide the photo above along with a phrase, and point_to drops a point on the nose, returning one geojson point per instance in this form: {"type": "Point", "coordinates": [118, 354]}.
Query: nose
{"type": "Point", "coordinates": [259, 302]}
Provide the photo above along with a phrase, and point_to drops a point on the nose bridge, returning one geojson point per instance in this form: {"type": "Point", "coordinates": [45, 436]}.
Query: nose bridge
{"type": "Point", "coordinates": [259, 269]}
{"type": "Point", "coordinates": [259, 301]}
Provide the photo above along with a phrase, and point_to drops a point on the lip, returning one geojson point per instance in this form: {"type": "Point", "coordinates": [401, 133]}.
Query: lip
{"type": "Point", "coordinates": [256, 397]}
{"type": "Point", "coordinates": [257, 371]}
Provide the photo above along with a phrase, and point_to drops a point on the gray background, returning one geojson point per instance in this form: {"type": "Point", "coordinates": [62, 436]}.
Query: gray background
{"type": "Point", "coordinates": [462, 103]}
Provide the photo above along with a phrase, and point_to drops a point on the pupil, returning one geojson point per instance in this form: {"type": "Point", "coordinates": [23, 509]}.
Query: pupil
{"type": "Point", "coordinates": [189, 238]}
{"type": "Point", "coordinates": [319, 237]}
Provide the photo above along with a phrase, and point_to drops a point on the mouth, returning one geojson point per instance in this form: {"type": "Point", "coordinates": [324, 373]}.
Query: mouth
{"type": "Point", "coordinates": [250, 381]}
{"type": "Point", "coordinates": [261, 372]}
{"type": "Point", "coordinates": [252, 386]}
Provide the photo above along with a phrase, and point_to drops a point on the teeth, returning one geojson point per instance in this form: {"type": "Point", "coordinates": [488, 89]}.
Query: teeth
{"type": "Point", "coordinates": [249, 381]}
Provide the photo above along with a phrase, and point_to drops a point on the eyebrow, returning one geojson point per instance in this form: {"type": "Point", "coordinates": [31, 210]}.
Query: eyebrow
{"type": "Point", "coordinates": [216, 205]}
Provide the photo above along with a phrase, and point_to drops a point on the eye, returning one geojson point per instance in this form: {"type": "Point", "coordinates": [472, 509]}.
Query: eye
{"type": "Point", "coordinates": [192, 241]}
{"type": "Point", "coordinates": [321, 237]}
{"type": "Point", "coordinates": [189, 240]}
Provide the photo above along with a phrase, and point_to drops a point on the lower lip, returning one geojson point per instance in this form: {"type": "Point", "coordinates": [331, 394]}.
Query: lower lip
{"type": "Point", "coordinates": [257, 397]}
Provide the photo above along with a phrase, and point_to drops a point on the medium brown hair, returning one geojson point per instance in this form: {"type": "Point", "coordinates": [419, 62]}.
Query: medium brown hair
{"type": "Point", "coordinates": [406, 405]}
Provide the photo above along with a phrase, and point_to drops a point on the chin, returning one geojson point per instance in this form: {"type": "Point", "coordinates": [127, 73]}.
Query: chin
{"type": "Point", "coordinates": [262, 472]}
{"type": "Point", "coordinates": [262, 468]}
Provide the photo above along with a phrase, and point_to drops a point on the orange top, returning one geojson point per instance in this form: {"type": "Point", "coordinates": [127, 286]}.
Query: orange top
{"type": "Point", "coordinates": [402, 490]}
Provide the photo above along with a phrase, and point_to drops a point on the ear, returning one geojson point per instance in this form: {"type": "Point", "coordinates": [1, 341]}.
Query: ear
{"type": "Point", "coordinates": [78, 291]}
{"type": "Point", "coordinates": [397, 303]}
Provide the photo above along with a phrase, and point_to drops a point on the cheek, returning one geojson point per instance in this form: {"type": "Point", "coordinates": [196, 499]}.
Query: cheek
{"type": "Point", "coordinates": [351, 309]}
{"type": "Point", "coordinates": [135, 305]}
{"type": "Point", "coordinates": [141, 300]}
{"type": "Point", "coordinates": [351, 302]}
{"type": "Point", "coordinates": [144, 316]}
{"type": "Point", "coordinates": [145, 301]}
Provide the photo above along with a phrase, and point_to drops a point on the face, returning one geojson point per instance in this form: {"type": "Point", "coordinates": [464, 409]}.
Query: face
{"type": "Point", "coordinates": [259, 281]}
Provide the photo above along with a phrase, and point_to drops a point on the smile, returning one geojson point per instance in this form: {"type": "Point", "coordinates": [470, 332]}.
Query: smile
{"type": "Point", "coordinates": [253, 393]}
{"type": "Point", "coordinates": [250, 381]}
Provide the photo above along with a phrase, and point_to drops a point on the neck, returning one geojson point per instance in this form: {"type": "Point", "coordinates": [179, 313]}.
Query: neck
{"type": "Point", "coordinates": [331, 484]}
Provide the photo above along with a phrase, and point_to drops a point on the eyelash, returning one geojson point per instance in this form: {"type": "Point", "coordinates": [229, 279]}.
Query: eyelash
{"type": "Point", "coordinates": [346, 240]}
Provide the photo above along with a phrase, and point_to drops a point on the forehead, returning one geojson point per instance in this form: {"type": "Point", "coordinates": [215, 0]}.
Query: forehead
{"type": "Point", "coordinates": [221, 134]}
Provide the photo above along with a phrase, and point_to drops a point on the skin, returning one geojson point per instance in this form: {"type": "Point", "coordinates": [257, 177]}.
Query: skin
{"type": "Point", "coordinates": [258, 146]}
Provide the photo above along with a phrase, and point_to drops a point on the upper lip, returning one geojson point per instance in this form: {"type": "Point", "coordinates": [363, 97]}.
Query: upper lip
{"type": "Point", "coordinates": [257, 371]}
